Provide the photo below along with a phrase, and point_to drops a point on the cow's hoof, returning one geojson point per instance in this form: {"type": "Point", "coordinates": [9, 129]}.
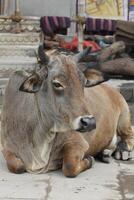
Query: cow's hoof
{"type": "Point", "coordinates": [106, 159]}
{"type": "Point", "coordinates": [91, 161]}
{"type": "Point", "coordinates": [104, 156]}
{"type": "Point", "coordinates": [122, 152]}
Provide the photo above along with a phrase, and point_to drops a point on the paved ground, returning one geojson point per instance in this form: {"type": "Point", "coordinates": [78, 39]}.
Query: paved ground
{"type": "Point", "coordinates": [114, 181]}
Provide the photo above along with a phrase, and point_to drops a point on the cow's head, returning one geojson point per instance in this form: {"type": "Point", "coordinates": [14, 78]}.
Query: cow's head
{"type": "Point", "coordinates": [59, 87]}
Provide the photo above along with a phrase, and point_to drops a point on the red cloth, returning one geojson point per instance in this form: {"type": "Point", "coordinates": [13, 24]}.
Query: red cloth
{"type": "Point", "coordinates": [73, 45]}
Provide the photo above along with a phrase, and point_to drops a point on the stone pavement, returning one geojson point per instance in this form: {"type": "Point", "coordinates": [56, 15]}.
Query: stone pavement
{"type": "Point", "coordinates": [114, 181]}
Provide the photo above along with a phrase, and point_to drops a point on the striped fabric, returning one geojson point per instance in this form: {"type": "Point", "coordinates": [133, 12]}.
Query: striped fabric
{"type": "Point", "coordinates": [53, 24]}
{"type": "Point", "coordinates": [93, 24]}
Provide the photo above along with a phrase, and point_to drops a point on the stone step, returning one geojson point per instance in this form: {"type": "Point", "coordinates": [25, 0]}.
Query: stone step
{"type": "Point", "coordinates": [17, 63]}
{"type": "Point", "coordinates": [17, 60]}
{"type": "Point", "coordinates": [19, 39]}
{"type": "Point", "coordinates": [18, 50]}
{"type": "Point", "coordinates": [26, 25]}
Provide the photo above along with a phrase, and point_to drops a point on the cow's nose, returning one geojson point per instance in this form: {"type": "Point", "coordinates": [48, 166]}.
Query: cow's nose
{"type": "Point", "coordinates": [86, 123]}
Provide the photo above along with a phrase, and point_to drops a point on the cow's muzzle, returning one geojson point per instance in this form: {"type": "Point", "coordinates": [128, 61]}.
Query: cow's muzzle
{"type": "Point", "coordinates": [84, 123]}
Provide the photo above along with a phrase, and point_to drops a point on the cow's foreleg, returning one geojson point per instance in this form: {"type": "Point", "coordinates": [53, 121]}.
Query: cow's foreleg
{"type": "Point", "coordinates": [74, 161]}
{"type": "Point", "coordinates": [14, 164]}
{"type": "Point", "coordinates": [126, 144]}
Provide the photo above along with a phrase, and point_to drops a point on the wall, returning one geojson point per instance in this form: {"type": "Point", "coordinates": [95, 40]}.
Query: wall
{"type": "Point", "coordinates": [47, 7]}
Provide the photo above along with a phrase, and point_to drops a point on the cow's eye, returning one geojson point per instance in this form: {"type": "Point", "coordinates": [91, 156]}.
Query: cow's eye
{"type": "Point", "coordinates": [57, 85]}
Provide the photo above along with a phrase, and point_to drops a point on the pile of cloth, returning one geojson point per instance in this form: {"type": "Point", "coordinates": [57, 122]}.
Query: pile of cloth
{"type": "Point", "coordinates": [60, 42]}
{"type": "Point", "coordinates": [73, 45]}
{"type": "Point", "coordinates": [52, 25]}
{"type": "Point", "coordinates": [109, 53]}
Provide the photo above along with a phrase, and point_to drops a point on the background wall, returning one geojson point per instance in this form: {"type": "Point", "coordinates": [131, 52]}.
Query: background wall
{"type": "Point", "coordinates": [45, 7]}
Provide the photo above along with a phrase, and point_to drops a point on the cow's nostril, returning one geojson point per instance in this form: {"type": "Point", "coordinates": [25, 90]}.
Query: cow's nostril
{"type": "Point", "coordinates": [85, 121]}
{"type": "Point", "coordinates": [87, 124]}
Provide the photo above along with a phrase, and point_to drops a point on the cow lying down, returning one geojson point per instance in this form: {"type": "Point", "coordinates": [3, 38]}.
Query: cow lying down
{"type": "Point", "coordinates": [50, 121]}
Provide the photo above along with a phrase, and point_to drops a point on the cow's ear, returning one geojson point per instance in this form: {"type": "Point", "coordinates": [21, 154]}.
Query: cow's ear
{"type": "Point", "coordinates": [32, 84]}
{"type": "Point", "coordinates": [94, 77]}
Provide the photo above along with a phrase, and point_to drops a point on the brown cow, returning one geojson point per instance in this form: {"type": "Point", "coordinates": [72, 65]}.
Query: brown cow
{"type": "Point", "coordinates": [51, 125]}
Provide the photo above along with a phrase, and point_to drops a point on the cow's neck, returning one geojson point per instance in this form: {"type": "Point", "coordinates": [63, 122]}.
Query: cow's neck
{"type": "Point", "coordinates": [43, 113]}
{"type": "Point", "coordinates": [43, 142]}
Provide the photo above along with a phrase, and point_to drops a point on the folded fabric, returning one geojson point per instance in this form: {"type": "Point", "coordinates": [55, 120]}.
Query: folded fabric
{"type": "Point", "coordinates": [53, 24]}
{"type": "Point", "coordinates": [73, 45]}
{"type": "Point", "coordinates": [125, 32]}
{"type": "Point", "coordinates": [93, 24]}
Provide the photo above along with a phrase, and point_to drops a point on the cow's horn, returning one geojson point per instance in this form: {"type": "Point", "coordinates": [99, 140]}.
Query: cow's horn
{"type": "Point", "coordinates": [44, 59]}
{"type": "Point", "coordinates": [81, 55]}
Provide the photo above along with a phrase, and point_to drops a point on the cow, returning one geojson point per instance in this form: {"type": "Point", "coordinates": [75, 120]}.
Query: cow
{"type": "Point", "coordinates": [61, 116]}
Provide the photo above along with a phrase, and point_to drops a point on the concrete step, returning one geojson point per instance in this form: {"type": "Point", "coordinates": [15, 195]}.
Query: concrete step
{"type": "Point", "coordinates": [13, 63]}
{"type": "Point", "coordinates": [18, 50]}
{"type": "Point", "coordinates": [19, 39]}
{"type": "Point", "coordinates": [17, 60]}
